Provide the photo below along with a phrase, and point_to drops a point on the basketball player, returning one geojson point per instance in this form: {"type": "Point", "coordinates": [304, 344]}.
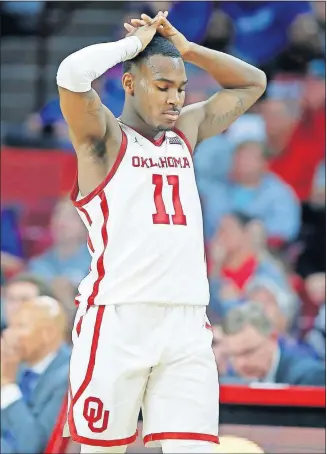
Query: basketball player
{"type": "Point", "coordinates": [141, 336]}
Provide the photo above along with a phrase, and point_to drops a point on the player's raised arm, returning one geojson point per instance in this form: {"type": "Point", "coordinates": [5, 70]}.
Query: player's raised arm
{"type": "Point", "coordinates": [88, 120]}
{"type": "Point", "coordinates": [242, 85]}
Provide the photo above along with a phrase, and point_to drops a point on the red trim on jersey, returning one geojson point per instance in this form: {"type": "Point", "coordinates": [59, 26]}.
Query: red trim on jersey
{"type": "Point", "coordinates": [156, 142]}
{"type": "Point", "coordinates": [100, 265]}
{"type": "Point", "coordinates": [86, 214]}
{"type": "Point", "coordinates": [183, 137]}
{"type": "Point", "coordinates": [180, 436]}
{"type": "Point", "coordinates": [89, 220]}
{"type": "Point", "coordinates": [90, 244]}
{"type": "Point", "coordinates": [96, 191]}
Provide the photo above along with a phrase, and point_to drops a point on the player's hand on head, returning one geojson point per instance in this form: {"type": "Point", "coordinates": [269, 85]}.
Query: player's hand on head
{"type": "Point", "coordinates": [145, 29]}
{"type": "Point", "coordinates": [165, 28]}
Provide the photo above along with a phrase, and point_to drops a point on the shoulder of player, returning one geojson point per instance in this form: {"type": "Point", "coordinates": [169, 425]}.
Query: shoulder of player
{"type": "Point", "coordinates": [187, 124]}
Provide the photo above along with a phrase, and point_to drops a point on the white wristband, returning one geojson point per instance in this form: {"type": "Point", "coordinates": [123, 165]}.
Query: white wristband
{"type": "Point", "coordinates": [78, 70]}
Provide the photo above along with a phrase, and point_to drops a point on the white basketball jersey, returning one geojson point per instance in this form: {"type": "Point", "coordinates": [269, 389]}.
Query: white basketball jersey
{"type": "Point", "coordinates": [145, 227]}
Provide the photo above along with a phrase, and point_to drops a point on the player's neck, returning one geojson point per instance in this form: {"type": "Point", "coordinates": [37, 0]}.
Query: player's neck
{"type": "Point", "coordinates": [131, 118]}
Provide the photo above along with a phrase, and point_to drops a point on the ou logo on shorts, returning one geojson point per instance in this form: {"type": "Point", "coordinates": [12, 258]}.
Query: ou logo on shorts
{"type": "Point", "coordinates": [93, 412]}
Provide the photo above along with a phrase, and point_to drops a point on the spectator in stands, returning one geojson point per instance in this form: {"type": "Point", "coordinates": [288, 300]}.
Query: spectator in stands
{"type": "Point", "coordinates": [233, 261]}
{"type": "Point", "coordinates": [315, 285]}
{"type": "Point", "coordinates": [289, 136]}
{"type": "Point", "coordinates": [256, 192]}
{"type": "Point", "coordinates": [318, 189]}
{"type": "Point", "coordinates": [316, 337]}
{"type": "Point", "coordinates": [282, 306]}
{"type": "Point", "coordinates": [272, 33]}
{"type": "Point", "coordinates": [20, 289]}
{"type": "Point", "coordinates": [312, 237]}
{"type": "Point", "coordinates": [256, 355]}
{"type": "Point", "coordinates": [218, 347]}
{"type": "Point", "coordinates": [34, 371]}
{"type": "Point", "coordinates": [213, 157]}
{"type": "Point", "coordinates": [66, 263]}
{"type": "Point", "coordinates": [279, 304]}
{"type": "Point", "coordinates": [11, 264]}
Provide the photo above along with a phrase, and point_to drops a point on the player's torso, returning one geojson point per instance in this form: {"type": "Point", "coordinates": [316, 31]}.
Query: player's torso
{"type": "Point", "coordinates": [146, 231]}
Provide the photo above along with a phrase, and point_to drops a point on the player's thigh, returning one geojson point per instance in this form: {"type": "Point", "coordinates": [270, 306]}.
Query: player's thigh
{"type": "Point", "coordinates": [106, 387]}
{"type": "Point", "coordinates": [181, 399]}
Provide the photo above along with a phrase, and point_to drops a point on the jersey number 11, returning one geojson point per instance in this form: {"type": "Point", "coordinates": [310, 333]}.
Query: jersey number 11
{"type": "Point", "coordinates": [161, 216]}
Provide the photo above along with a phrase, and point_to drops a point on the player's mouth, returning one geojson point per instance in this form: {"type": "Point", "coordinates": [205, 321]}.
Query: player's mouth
{"type": "Point", "coordinates": [171, 115]}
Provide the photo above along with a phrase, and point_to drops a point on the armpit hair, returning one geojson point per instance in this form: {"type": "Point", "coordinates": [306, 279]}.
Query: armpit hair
{"type": "Point", "coordinates": [99, 147]}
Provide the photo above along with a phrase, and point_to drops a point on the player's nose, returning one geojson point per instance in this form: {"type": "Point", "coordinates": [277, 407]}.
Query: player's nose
{"type": "Point", "coordinates": [173, 98]}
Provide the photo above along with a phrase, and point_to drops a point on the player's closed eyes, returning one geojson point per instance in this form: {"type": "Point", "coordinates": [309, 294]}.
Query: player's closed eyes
{"type": "Point", "coordinates": [166, 89]}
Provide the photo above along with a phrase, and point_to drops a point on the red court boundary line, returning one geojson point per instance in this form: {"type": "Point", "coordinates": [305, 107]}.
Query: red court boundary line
{"type": "Point", "coordinates": [292, 396]}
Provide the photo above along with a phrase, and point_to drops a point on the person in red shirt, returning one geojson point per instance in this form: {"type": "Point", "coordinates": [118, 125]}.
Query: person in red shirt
{"type": "Point", "coordinates": [297, 147]}
{"type": "Point", "coordinates": [234, 260]}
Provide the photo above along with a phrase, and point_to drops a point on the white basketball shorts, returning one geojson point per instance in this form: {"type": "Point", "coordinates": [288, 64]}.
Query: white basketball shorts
{"type": "Point", "coordinates": [130, 356]}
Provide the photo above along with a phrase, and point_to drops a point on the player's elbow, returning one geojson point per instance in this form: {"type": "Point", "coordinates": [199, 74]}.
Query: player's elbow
{"type": "Point", "coordinates": [71, 77]}
{"type": "Point", "coordinates": [64, 71]}
{"type": "Point", "coordinates": [260, 80]}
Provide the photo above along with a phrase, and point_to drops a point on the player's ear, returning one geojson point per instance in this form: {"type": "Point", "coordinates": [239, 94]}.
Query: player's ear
{"type": "Point", "coordinates": [128, 83]}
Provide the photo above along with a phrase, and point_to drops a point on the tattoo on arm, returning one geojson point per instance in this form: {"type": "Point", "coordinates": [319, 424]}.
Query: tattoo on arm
{"type": "Point", "coordinates": [230, 114]}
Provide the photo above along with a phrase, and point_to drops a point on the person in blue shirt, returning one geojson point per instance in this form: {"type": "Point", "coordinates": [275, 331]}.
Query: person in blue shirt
{"type": "Point", "coordinates": [254, 191]}
{"type": "Point", "coordinates": [262, 30]}
{"type": "Point", "coordinates": [67, 262]}
{"type": "Point", "coordinates": [256, 354]}
{"type": "Point", "coordinates": [34, 375]}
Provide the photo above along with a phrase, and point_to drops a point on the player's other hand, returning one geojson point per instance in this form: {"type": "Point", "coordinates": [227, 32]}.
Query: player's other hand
{"type": "Point", "coordinates": [165, 28]}
{"type": "Point", "coordinates": [146, 31]}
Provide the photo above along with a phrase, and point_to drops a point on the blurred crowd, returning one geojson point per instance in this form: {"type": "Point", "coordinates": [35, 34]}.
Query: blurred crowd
{"type": "Point", "coordinates": [262, 187]}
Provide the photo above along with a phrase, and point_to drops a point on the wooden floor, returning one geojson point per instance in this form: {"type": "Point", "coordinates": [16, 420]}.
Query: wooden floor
{"type": "Point", "coordinates": [273, 440]}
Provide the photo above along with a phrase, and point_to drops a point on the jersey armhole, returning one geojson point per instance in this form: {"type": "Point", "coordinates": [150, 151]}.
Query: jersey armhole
{"type": "Point", "coordinates": [86, 199]}
{"type": "Point", "coordinates": [185, 139]}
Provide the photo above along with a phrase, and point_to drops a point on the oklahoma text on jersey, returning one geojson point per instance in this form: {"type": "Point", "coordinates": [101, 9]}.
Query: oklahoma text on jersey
{"type": "Point", "coordinates": [145, 226]}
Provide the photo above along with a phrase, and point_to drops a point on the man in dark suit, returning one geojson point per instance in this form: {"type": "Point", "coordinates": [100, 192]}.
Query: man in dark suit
{"type": "Point", "coordinates": [34, 375]}
{"type": "Point", "coordinates": [256, 354]}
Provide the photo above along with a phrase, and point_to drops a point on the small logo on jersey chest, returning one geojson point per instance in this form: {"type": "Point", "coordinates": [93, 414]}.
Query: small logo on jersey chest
{"type": "Point", "coordinates": [174, 140]}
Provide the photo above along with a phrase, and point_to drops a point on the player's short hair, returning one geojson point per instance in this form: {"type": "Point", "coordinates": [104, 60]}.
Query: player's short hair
{"type": "Point", "coordinates": [158, 46]}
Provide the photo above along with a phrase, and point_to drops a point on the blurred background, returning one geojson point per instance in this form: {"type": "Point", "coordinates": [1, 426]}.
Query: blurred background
{"type": "Point", "coordinates": [261, 183]}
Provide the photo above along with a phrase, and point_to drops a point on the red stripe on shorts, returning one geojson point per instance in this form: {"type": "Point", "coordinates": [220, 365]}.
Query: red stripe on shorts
{"type": "Point", "coordinates": [180, 436]}
{"type": "Point", "coordinates": [88, 377]}
{"type": "Point", "coordinates": [89, 370]}
{"type": "Point", "coordinates": [79, 323]}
